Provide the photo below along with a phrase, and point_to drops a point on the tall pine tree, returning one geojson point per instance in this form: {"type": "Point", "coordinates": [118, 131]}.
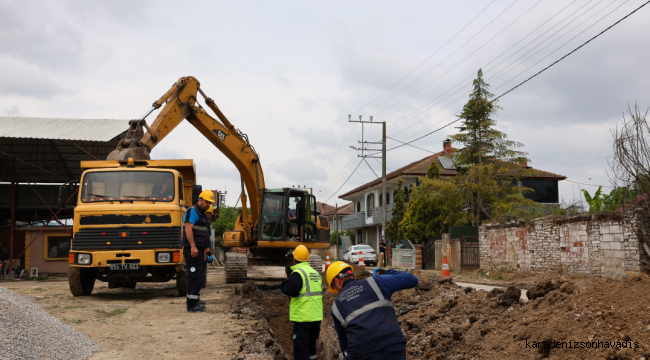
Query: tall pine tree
{"type": "Point", "coordinates": [478, 137]}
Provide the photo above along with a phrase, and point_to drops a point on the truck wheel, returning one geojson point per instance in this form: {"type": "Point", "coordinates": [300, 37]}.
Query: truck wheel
{"type": "Point", "coordinates": [181, 283]}
{"type": "Point", "coordinates": [129, 285]}
{"type": "Point", "coordinates": [81, 281]}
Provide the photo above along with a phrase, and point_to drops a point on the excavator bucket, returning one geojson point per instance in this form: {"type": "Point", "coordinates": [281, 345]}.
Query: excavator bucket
{"type": "Point", "coordinates": [131, 146]}
{"type": "Point", "coordinates": [137, 153]}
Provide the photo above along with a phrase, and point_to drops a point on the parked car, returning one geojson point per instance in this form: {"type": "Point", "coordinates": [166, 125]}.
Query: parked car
{"type": "Point", "coordinates": [366, 251]}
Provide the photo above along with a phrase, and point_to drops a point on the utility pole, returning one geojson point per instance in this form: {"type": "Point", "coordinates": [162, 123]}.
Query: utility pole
{"type": "Point", "coordinates": [383, 162]}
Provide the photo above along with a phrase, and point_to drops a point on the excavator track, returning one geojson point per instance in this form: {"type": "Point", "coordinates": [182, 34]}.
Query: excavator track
{"type": "Point", "coordinates": [236, 267]}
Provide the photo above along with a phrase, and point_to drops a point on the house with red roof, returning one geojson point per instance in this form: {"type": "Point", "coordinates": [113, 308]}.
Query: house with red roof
{"type": "Point", "coordinates": [367, 200]}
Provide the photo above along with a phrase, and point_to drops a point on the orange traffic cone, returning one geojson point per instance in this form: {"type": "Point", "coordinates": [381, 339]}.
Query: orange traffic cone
{"type": "Point", "coordinates": [361, 263]}
{"type": "Point", "coordinates": [445, 267]}
{"type": "Point", "coordinates": [327, 261]}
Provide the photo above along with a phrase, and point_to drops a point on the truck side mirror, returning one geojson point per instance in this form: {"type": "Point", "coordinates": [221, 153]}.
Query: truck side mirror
{"type": "Point", "coordinates": [196, 191]}
{"type": "Point", "coordinates": [63, 195]}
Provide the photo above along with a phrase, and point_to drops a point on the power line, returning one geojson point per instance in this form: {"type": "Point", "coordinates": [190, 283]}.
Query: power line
{"type": "Point", "coordinates": [576, 182]}
{"type": "Point", "coordinates": [533, 76]}
{"type": "Point", "coordinates": [373, 171]}
{"type": "Point", "coordinates": [427, 59]}
{"type": "Point", "coordinates": [346, 180]}
{"type": "Point", "coordinates": [405, 119]}
{"type": "Point", "coordinates": [411, 145]}
{"type": "Point", "coordinates": [440, 63]}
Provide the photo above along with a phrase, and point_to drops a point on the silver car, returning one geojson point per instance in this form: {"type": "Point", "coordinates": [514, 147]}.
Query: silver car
{"type": "Point", "coordinates": [366, 251]}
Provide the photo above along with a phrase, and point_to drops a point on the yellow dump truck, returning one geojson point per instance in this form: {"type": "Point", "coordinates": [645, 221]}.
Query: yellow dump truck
{"type": "Point", "coordinates": [127, 223]}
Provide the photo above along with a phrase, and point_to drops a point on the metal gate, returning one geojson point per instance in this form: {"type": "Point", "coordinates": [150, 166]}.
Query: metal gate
{"type": "Point", "coordinates": [429, 256]}
{"type": "Point", "coordinates": [469, 253]}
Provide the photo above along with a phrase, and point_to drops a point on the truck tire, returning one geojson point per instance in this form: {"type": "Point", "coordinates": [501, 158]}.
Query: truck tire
{"type": "Point", "coordinates": [181, 283]}
{"type": "Point", "coordinates": [236, 267]}
{"type": "Point", "coordinates": [129, 285]}
{"type": "Point", "coordinates": [81, 281]}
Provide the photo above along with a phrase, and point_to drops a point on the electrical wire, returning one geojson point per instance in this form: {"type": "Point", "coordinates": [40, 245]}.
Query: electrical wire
{"type": "Point", "coordinates": [533, 76]}
{"type": "Point", "coordinates": [346, 180]}
{"type": "Point", "coordinates": [576, 182]}
{"type": "Point", "coordinates": [427, 59]}
{"type": "Point", "coordinates": [373, 171]}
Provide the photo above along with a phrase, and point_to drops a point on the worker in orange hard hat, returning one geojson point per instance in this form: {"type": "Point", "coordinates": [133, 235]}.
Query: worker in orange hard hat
{"type": "Point", "coordinates": [363, 314]}
{"type": "Point", "coordinates": [304, 288]}
{"type": "Point", "coordinates": [196, 234]}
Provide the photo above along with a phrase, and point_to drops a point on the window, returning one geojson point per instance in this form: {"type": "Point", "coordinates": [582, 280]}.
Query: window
{"type": "Point", "coordinates": [370, 204]}
{"type": "Point", "coordinates": [272, 216]}
{"type": "Point", "coordinates": [128, 185]}
{"type": "Point", "coordinates": [546, 191]}
{"type": "Point", "coordinates": [358, 206]}
{"type": "Point", "coordinates": [58, 247]}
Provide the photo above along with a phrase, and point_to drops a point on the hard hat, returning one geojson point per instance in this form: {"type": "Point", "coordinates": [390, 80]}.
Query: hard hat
{"type": "Point", "coordinates": [335, 269]}
{"type": "Point", "coordinates": [207, 195]}
{"type": "Point", "coordinates": [210, 210]}
{"type": "Point", "coordinates": [301, 253]}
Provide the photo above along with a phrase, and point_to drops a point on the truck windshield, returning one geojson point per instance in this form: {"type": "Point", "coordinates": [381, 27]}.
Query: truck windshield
{"type": "Point", "coordinates": [128, 185]}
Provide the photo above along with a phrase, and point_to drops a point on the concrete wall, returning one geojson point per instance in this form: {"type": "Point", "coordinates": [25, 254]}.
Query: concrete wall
{"type": "Point", "coordinates": [604, 245]}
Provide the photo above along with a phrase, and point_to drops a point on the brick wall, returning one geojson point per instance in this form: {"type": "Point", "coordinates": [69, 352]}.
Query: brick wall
{"type": "Point", "coordinates": [604, 244]}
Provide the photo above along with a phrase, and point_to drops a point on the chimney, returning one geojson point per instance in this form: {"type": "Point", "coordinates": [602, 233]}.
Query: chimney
{"type": "Point", "coordinates": [523, 162]}
{"type": "Point", "coordinates": [446, 147]}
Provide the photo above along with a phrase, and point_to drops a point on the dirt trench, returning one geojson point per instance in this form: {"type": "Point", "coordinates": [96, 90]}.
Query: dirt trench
{"type": "Point", "coordinates": [440, 320]}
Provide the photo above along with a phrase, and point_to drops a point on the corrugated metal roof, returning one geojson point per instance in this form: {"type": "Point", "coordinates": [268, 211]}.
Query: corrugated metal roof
{"type": "Point", "coordinates": [61, 129]}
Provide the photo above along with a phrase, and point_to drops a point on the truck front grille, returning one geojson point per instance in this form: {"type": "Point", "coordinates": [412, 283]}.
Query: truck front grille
{"type": "Point", "coordinates": [138, 238]}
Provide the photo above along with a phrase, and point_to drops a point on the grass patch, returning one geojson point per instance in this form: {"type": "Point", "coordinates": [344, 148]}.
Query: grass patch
{"type": "Point", "coordinates": [31, 278]}
{"type": "Point", "coordinates": [116, 312]}
{"type": "Point", "coordinates": [39, 289]}
{"type": "Point", "coordinates": [71, 307]}
{"type": "Point", "coordinates": [75, 321]}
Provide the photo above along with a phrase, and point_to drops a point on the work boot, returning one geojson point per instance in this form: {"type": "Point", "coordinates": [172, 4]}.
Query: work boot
{"type": "Point", "coordinates": [196, 308]}
{"type": "Point", "coordinates": [201, 302]}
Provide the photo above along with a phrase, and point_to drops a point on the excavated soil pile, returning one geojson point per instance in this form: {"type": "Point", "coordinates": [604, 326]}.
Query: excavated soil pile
{"type": "Point", "coordinates": [259, 342]}
{"type": "Point", "coordinates": [609, 320]}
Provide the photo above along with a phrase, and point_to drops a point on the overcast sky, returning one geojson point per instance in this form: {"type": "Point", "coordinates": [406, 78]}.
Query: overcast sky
{"type": "Point", "coordinates": [288, 73]}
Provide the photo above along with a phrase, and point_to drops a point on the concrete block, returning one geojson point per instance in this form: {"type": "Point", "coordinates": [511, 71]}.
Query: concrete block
{"type": "Point", "coordinates": [604, 229]}
{"type": "Point", "coordinates": [608, 237]}
{"type": "Point", "coordinates": [605, 245]}
{"type": "Point", "coordinates": [615, 246]}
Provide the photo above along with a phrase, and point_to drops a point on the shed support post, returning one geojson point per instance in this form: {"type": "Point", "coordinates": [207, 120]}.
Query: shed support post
{"type": "Point", "coordinates": [12, 221]}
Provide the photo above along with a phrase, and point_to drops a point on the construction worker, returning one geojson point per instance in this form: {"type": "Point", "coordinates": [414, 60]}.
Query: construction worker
{"type": "Point", "coordinates": [196, 234]}
{"type": "Point", "coordinates": [363, 314]}
{"type": "Point", "coordinates": [304, 287]}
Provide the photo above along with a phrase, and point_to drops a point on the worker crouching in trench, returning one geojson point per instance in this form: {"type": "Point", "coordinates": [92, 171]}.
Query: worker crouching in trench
{"type": "Point", "coordinates": [363, 313]}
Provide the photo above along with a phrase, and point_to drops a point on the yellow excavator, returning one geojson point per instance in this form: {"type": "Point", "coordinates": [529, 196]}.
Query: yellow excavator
{"type": "Point", "coordinates": [279, 219]}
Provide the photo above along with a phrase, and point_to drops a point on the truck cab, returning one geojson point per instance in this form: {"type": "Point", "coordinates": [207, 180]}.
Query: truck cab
{"type": "Point", "coordinates": [128, 223]}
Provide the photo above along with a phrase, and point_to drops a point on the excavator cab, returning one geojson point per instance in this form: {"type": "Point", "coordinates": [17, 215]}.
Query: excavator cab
{"type": "Point", "coordinates": [288, 215]}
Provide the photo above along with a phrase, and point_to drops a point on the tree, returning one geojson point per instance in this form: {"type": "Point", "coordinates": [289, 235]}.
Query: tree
{"type": "Point", "coordinates": [478, 134]}
{"type": "Point", "coordinates": [225, 222]}
{"type": "Point", "coordinates": [433, 172]}
{"type": "Point", "coordinates": [393, 231]}
{"type": "Point", "coordinates": [434, 206]}
{"type": "Point", "coordinates": [595, 202]}
{"type": "Point", "coordinates": [489, 190]}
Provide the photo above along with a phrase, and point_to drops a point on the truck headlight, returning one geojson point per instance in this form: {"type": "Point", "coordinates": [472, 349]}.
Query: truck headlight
{"type": "Point", "coordinates": [83, 259]}
{"type": "Point", "coordinates": [164, 257]}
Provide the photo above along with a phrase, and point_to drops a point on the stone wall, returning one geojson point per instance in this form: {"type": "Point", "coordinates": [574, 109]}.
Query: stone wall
{"type": "Point", "coordinates": [604, 244]}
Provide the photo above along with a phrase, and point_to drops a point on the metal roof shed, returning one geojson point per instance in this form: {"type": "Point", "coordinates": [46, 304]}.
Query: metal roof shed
{"type": "Point", "coordinates": [35, 152]}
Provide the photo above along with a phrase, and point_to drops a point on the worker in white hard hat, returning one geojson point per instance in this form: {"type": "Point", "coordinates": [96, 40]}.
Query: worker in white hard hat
{"type": "Point", "coordinates": [196, 234]}
{"type": "Point", "coordinates": [304, 288]}
{"type": "Point", "coordinates": [363, 314]}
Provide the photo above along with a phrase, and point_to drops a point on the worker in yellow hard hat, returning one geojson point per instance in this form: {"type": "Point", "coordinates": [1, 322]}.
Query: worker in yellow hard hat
{"type": "Point", "coordinates": [196, 235]}
{"type": "Point", "coordinates": [304, 288]}
{"type": "Point", "coordinates": [363, 314]}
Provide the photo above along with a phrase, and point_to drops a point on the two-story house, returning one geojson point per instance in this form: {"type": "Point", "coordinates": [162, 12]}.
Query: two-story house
{"type": "Point", "coordinates": [368, 201]}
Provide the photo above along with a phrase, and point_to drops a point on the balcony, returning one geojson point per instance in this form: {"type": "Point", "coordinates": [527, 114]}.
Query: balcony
{"type": "Point", "coordinates": [354, 221]}
{"type": "Point", "coordinates": [377, 215]}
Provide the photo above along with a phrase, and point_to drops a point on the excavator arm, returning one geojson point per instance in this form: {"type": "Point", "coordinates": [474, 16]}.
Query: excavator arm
{"type": "Point", "coordinates": [180, 103]}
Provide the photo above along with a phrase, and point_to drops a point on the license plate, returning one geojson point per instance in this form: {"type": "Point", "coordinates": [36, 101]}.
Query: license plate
{"type": "Point", "coordinates": [127, 266]}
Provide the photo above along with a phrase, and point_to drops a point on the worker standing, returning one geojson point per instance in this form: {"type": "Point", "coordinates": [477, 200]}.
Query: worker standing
{"type": "Point", "coordinates": [195, 240]}
{"type": "Point", "coordinates": [304, 287]}
{"type": "Point", "coordinates": [363, 314]}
